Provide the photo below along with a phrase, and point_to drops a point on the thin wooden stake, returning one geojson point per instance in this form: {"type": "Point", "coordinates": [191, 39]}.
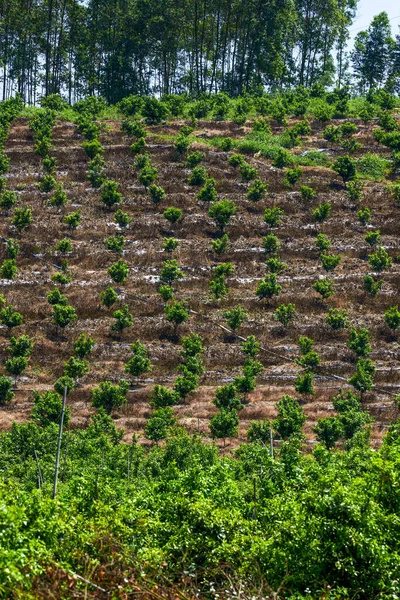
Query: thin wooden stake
{"type": "Point", "coordinates": [271, 442]}
{"type": "Point", "coordinates": [59, 442]}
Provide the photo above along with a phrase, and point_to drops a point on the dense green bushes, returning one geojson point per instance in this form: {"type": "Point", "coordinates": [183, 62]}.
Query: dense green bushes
{"type": "Point", "coordinates": [231, 515]}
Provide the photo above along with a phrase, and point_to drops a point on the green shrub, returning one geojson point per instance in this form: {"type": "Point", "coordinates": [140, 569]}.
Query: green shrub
{"type": "Point", "coordinates": [166, 292]}
{"type": "Point", "coordinates": [176, 312]}
{"type": "Point", "coordinates": [170, 244]}
{"type": "Point", "coordinates": [76, 368]}
{"type": "Point", "coordinates": [220, 244]}
{"type": "Point", "coordinates": [8, 200]}
{"type": "Point", "coordinates": [12, 248]}
{"type": "Point", "coordinates": [93, 148]}
{"type": "Point", "coordinates": [304, 383]}
{"type": "Point", "coordinates": [247, 171]}
{"type": "Point", "coordinates": [380, 260]}
{"type": "Point", "coordinates": [47, 408]}
{"type": "Point", "coordinates": [274, 264]}
{"type": "Point", "coordinates": [194, 158]}
{"type": "Point", "coordinates": [235, 317]}
{"type": "Point", "coordinates": [222, 212]}
{"type": "Point", "coordinates": [328, 430]}
{"type": "Point", "coordinates": [292, 176]}
{"type": "Point", "coordinates": [6, 393]}
{"type": "Point", "coordinates": [322, 243]}
{"type": "Point", "coordinates": [332, 133]}
{"type": "Point", "coordinates": [172, 214]}
{"type": "Point", "coordinates": [359, 341]}
{"type": "Point", "coordinates": [10, 318]}
{"type": "Point", "coordinates": [157, 194]}
{"type": "Point", "coordinates": [324, 287]}
{"type": "Point", "coordinates": [56, 297]}
{"type": "Point", "coordinates": [330, 261]}
{"type": "Point", "coordinates": [133, 128]}
{"type": "Point", "coordinates": [363, 378]}
{"type": "Point", "coordinates": [139, 363]}
{"type": "Point", "coordinates": [43, 146]}
{"type": "Point", "coordinates": [290, 419]}
{"type": "Point", "coordinates": [208, 193]}
{"type": "Point", "coordinates": [367, 112]}
{"type": "Point", "coordinates": [73, 219]}
{"type": "Point", "coordinates": [182, 144]}
{"type": "Point", "coordinates": [387, 121]}
{"type": "Point", "coordinates": [118, 271]}
{"type": "Point", "coordinates": [371, 286]}
{"type": "Point", "coordinates": [83, 345]}
{"type": "Point", "coordinates": [322, 212]}
{"type": "Point", "coordinates": [110, 397]}
{"type": "Point", "coordinates": [226, 144]}
{"type": "Point", "coordinates": [138, 146]}
{"type": "Point", "coordinates": [224, 424]}
{"type": "Point", "coordinates": [123, 319]}
{"type": "Point", "coordinates": [235, 160]}
{"type": "Point", "coordinates": [273, 216]}
{"type": "Point", "coordinates": [154, 110]}
{"type": "Point", "coordinates": [96, 173]}
{"type": "Point", "coordinates": [115, 243]}
{"type": "Point", "coordinates": [122, 218]}
{"type": "Point", "coordinates": [147, 175]}
{"type": "Point", "coordinates": [322, 111]}
{"type": "Point", "coordinates": [226, 398]}
{"type": "Point", "coordinates": [392, 317]}
{"type": "Point", "coordinates": [373, 238]}
{"type": "Point", "coordinates": [22, 218]}
{"type": "Point", "coordinates": [354, 190]}
{"type": "Point", "coordinates": [63, 315]}
{"type": "Point", "coordinates": [163, 397]}
{"type": "Point", "coordinates": [59, 198]}
{"type": "Point", "coordinates": [8, 269]}
{"type": "Point", "coordinates": [337, 318]}
{"type": "Point", "coordinates": [47, 183]}
{"type": "Point", "coordinates": [271, 243]}
{"type": "Point", "coordinates": [257, 190]}
{"type": "Point", "coordinates": [283, 158]}
{"type": "Point", "coordinates": [268, 287]}
{"type": "Point", "coordinates": [285, 314]}
{"type": "Point", "coordinates": [198, 176]}
{"type": "Point", "coordinates": [159, 424]}
{"type": "Point", "coordinates": [108, 297]}
{"type": "Point", "coordinates": [307, 193]}
{"type": "Point", "coordinates": [345, 167]}
{"type": "Point", "coordinates": [49, 164]}
{"type": "Point", "coordinates": [4, 162]}
{"type": "Point", "coordinates": [110, 194]}
{"type": "Point", "coordinates": [170, 271]}
{"type": "Point", "coordinates": [364, 215]}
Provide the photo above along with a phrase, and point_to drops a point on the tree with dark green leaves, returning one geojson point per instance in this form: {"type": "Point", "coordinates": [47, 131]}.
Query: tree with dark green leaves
{"type": "Point", "coordinates": [372, 54]}
{"type": "Point", "coordinates": [109, 396]}
{"type": "Point", "coordinates": [290, 419]}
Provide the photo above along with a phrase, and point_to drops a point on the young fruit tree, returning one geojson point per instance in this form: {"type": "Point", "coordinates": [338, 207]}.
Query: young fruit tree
{"type": "Point", "coordinates": [139, 363]}
{"type": "Point", "coordinates": [158, 426]}
{"type": "Point", "coordinates": [109, 396]}
{"type": "Point", "coordinates": [224, 424]}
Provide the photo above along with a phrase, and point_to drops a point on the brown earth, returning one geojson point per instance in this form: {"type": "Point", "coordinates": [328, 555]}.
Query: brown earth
{"type": "Point", "coordinates": [143, 251]}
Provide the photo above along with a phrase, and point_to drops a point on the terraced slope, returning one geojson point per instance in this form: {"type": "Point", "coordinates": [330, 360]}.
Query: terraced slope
{"type": "Point", "coordinates": [143, 251]}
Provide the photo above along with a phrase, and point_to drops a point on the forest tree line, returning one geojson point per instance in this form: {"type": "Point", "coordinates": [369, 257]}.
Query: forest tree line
{"type": "Point", "coordinates": [115, 48]}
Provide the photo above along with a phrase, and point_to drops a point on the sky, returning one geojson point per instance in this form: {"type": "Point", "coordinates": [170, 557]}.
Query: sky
{"type": "Point", "coordinates": [368, 9]}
